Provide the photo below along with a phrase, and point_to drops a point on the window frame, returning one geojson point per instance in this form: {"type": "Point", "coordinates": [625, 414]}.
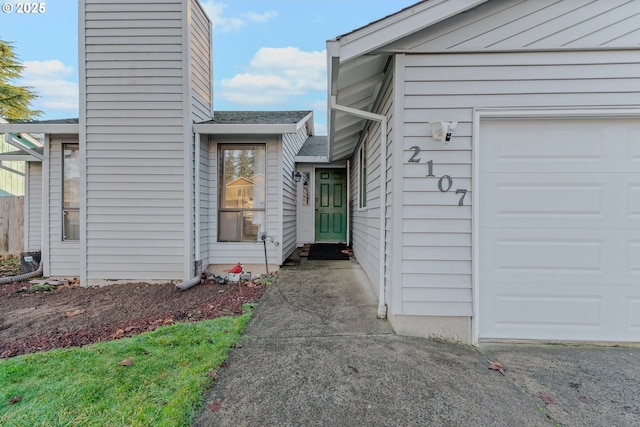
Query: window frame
{"type": "Point", "coordinates": [66, 207]}
{"type": "Point", "coordinates": [243, 211]}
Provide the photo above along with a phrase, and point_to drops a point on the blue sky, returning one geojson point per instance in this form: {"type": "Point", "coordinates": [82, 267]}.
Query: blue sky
{"type": "Point", "coordinates": [268, 55]}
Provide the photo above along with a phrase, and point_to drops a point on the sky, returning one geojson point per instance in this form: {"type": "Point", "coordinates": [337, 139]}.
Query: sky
{"type": "Point", "coordinates": [267, 55]}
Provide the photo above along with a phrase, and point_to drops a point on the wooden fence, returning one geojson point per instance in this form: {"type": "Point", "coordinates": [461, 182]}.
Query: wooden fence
{"type": "Point", "coordinates": [11, 226]}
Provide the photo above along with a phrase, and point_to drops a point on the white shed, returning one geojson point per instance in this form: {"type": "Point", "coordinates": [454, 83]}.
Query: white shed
{"type": "Point", "coordinates": [524, 223]}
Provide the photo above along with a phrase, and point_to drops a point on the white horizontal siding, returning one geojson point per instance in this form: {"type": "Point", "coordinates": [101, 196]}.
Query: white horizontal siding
{"type": "Point", "coordinates": [365, 223]}
{"type": "Point", "coordinates": [436, 231]}
{"type": "Point", "coordinates": [201, 63]}
{"type": "Point", "coordinates": [510, 25]}
{"type": "Point", "coordinates": [34, 214]}
{"type": "Point", "coordinates": [64, 256]}
{"type": "Point", "coordinates": [291, 144]}
{"type": "Point", "coordinates": [204, 206]}
{"type": "Point", "coordinates": [135, 147]}
{"type": "Point", "coordinates": [246, 252]}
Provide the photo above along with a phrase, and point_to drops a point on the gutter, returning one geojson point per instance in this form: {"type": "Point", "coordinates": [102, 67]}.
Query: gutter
{"type": "Point", "coordinates": [382, 305]}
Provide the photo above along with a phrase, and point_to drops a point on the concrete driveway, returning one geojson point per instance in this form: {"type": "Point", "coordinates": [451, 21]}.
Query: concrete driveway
{"type": "Point", "coordinates": [315, 354]}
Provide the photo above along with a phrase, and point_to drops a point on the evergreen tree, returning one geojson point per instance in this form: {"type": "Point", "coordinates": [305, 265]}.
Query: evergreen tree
{"type": "Point", "coordinates": [230, 165]}
{"type": "Point", "coordinates": [14, 100]}
{"type": "Point", "coordinates": [246, 163]}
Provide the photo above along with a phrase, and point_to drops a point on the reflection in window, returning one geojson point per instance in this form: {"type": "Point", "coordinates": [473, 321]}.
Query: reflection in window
{"type": "Point", "coordinates": [71, 192]}
{"type": "Point", "coordinates": [242, 192]}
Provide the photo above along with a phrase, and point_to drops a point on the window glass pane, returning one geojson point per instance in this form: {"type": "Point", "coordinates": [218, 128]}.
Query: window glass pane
{"type": "Point", "coordinates": [229, 226]}
{"type": "Point", "coordinates": [243, 177]}
{"type": "Point", "coordinates": [253, 223]}
{"type": "Point", "coordinates": [71, 225]}
{"type": "Point", "coordinates": [71, 166]}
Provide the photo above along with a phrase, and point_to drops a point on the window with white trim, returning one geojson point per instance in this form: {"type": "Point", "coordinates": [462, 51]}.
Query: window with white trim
{"type": "Point", "coordinates": [241, 213]}
{"type": "Point", "coordinates": [71, 192]}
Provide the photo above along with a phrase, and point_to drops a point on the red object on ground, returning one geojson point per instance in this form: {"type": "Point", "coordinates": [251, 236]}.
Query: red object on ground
{"type": "Point", "coordinates": [237, 269]}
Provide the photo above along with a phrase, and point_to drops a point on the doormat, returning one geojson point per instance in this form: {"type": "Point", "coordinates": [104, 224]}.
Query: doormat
{"type": "Point", "coordinates": [328, 251]}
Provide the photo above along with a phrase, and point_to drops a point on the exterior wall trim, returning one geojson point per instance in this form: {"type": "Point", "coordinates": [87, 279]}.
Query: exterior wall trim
{"type": "Point", "coordinates": [398, 183]}
{"type": "Point", "coordinates": [81, 130]}
{"type": "Point", "coordinates": [46, 241]}
{"type": "Point", "coordinates": [480, 114]}
{"type": "Point", "coordinates": [187, 145]}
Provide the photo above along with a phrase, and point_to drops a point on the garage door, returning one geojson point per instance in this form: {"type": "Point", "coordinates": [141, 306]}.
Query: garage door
{"type": "Point", "coordinates": [559, 237]}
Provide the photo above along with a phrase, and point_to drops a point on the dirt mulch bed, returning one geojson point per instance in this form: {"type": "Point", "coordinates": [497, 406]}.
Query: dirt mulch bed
{"type": "Point", "coordinates": [73, 316]}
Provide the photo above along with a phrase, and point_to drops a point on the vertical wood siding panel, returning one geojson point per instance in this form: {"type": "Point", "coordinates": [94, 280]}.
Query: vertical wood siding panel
{"type": "Point", "coordinates": [11, 183]}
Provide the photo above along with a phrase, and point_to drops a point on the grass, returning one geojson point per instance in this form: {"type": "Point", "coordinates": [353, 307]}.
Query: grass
{"type": "Point", "coordinates": [89, 386]}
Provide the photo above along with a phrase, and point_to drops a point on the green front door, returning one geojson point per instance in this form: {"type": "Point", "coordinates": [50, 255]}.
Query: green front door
{"type": "Point", "coordinates": [331, 205]}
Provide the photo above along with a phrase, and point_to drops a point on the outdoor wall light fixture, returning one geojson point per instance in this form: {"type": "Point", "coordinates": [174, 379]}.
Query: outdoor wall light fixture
{"type": "Point", "coordinates": [296, 176]}
{"type": "Point", "coordinates": [442, 131]}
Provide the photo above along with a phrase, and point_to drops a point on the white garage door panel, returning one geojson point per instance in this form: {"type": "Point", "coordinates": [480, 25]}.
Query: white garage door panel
{"type": "Point", "coordinates": [570, 200]}
{"type": "Point", "coordinates": [579, 312]}
{"type": "Point", "coordinates": [560, 256]}
{"type": "Point", "coordinates": [561, 146]}
{"type": "Point", "coordinates": [560, 229]}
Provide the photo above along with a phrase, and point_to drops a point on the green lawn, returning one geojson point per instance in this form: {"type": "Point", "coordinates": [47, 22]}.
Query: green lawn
{"type": "Point", "coordinates": [154, 379]}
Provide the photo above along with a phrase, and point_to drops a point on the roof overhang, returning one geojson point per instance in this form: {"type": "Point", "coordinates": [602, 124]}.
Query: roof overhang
{"type": "Point", "coordinates": [357, 64]}
{"type": "Point", "coordinates": [18, 156]}
{"type": "Point", "coordinates": [253, 128]}
{"type": "Point", "coordinates": [48, 128]}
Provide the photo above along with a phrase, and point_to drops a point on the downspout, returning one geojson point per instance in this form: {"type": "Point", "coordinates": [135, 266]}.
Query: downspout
{"type": "Point", "coordinates": [190, 283]}
{"type": "Point", "coordinates": [382, 305]}
{"type": "Point", "coordinates": [197, 279]}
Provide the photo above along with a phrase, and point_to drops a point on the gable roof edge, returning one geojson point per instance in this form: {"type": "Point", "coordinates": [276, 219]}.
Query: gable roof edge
{"type": "Point", "coordinates": [399, 25]}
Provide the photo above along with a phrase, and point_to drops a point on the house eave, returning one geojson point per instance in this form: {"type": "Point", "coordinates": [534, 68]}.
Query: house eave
{"type": "Point", "coordinates": [239, 129]}
{"type": "Point", "coordinates": [311, 159]}
{"type": "Point", "coordinates": [357, 60]}
{"type": "Point", "coordinates": [399, 25]}
{"type": "Point", "coordinates": [19, 158]}
{"type": "Point", "coordinates": [47, 128]}
{"type": "Point", "coordinates": [254, 128]}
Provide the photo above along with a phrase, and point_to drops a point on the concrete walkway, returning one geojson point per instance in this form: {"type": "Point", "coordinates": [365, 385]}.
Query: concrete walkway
{"type": "Point", "coordinates": [316, 355]}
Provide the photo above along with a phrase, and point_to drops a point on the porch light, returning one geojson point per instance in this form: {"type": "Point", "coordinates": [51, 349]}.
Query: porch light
{"type": "Point", "coordinates": [296, 176]}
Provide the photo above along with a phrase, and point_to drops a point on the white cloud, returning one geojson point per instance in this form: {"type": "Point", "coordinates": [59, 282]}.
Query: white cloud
{"type": "Point", "coordinates": [222, 23]}
{"type": "Point", "coordinates": [274, 76]}
{"type": "Point", "coordinates": [52, 82]}
{"type": "Point", "coordinates": [260, 17]}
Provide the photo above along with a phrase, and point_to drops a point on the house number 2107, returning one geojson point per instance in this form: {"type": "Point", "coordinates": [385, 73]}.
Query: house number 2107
{"type": "Point", "coordinates": [445, 182]}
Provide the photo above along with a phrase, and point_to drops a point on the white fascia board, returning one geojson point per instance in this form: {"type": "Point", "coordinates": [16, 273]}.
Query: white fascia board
{"type": "Point", "coordinates": [48, 128]}
{"type": "Point", "coordinates": [18, 158]}
{"type": "Point", "coordinates": [306, 121]}
{"type": "Point", "coordinates": [399, 25]}
{"type": "Point", "coordinates": [311, 159]}
{"type": "Point", "coordinates": [240, 129]}
{"type": "Point", "coordinates": [19, 145]}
